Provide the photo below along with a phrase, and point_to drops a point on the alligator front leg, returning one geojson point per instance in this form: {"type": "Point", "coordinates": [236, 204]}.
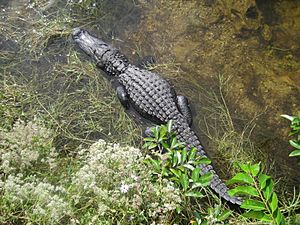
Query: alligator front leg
{"type": "Point", "coordinates": [122, 96]}
{"type": "Point", "coordinates": [184, 108]}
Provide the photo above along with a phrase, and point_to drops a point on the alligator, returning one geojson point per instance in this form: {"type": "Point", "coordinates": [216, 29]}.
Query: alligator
{"type": "Point", "coordinates": [151, 96]}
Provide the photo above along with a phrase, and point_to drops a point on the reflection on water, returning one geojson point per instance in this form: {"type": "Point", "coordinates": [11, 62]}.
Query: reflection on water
{"type": "Point", "coordinates": [254, 43]}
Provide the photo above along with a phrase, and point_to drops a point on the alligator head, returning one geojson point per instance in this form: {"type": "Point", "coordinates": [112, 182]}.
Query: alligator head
{"type": "Point", "coordinates": [106, 57]}
{"type": "Point", "coordinates": [92, 46]}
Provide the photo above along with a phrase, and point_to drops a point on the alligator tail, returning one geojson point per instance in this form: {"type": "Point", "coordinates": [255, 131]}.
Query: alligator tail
{"type": "Point", "coordinates": [187, 136]}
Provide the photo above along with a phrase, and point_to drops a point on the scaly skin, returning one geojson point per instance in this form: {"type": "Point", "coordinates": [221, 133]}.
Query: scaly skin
{"type": "Point", "coordinates": [151, 95]}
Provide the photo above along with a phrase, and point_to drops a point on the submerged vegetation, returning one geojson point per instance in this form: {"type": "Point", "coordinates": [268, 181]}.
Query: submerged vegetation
{"type": "Point", "coordinates": [60, 120]}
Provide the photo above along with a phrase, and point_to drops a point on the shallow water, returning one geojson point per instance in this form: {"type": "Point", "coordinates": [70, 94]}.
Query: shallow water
{"type": "Point", "coordinates": [253, 45]}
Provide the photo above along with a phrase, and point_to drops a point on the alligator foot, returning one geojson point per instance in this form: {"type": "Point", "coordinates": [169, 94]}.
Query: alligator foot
{"type": "Point", "coordinates": [148, 132]}
{"type": "Point", "coordinates": [184, 107]}
{"type": "Point", "coordinates": [122, 96]}
{"type": "Point", "coordinates": [146, 62]}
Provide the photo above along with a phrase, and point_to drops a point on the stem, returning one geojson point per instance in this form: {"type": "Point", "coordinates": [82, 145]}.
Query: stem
{"type": "Point", "coordinates": [263, 198]}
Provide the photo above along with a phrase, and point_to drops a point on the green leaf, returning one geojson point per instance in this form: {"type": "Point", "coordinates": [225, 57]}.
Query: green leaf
{"type": "Point", "coordinates": [225, 215]}
{"type": "Point", "coordinates": [176, 180]}
{"type": "Point", "coordinates": [246, 190]}
{"type": "Point", "coordinates": [241, 178]}
{"type": "Point", "coordinates": [152, 145]}
{"type": "Point", "coordinates": [205, 179]}
{"type": "Point", "coordinates": [162, 133]}
{"type": "Point", "coordinates": [184, 181]}
{"type": "Point", "coordinates": [203, 160]}
{"type": "Point", "coordinates": [279, 217]}
{"type": "Point", "coordinates": [156, 133]}
{"type": "Point", "coordinates": [274, 202]}
{"type": "Point", "coordinates": [184, 155]}
{"type": "Point", "coordinates": [192, 154]}
{"type": "Point", "coordinates": [268, 190]}
{"type": "Point", "coordinates": [295, 153]}
{"type": "Point", "coordinates": [155, 164]}
{"type": "Point", "coordinates": [195, 174]}
{"type": "Point", "coordinates": [245, 167]}
{"type": "Point", "coordinates": [174, 160]}
{"type": "Point", "coordinates": [176, 172]}
{"type": "Point", "coordinates": [149, 139]}
{"type": "Point", "coordinates": [262, 179]}
{"type": "Point", "coordinates": [294, 144]}
{"type": "Point", "coordinates": [178, 156]}
{"type": "Point", "coordinates": [169, 126]}
{"type": "Point", "coordinates": [165, 145]}
{"type": "Point", "coordinates": [253, 204]}
{"type": "Point", "coordinates": [173, 143]}
{"type": "Point", "coordinates": [290, 118]}
{"type": "Point", "coordinates": [254, 169]}
{"type": "Point", "coordinates": [189, 166]}
{"type": "Point", "coordinates": [259, 215]}
{"type": "Point", "coordinates": [195, 194]}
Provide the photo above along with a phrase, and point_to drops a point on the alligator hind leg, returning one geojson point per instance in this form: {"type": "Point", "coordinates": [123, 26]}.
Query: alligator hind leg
{"type": "Point", "coordinates": [148, 132]}
{"type": "Point", "coordinates": [122, 96]}
{"type": "Point", "coordinates": [184, 107]}
{"type": "Point", "coordinates": [146, 62]}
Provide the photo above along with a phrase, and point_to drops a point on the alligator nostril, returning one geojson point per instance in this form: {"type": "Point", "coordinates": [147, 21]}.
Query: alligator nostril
{"type": "Point", "coordinates": [76, 32]}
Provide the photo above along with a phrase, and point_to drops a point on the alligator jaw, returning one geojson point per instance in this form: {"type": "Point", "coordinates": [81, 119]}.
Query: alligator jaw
{"type": "Point", "coordinates": [92, 46]}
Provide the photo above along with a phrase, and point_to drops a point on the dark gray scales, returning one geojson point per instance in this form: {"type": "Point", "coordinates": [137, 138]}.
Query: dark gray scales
{"type": "Point", "coordinates": [151, 96]}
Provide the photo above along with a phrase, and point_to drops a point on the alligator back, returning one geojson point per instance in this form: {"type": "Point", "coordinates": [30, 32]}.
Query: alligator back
{"type": "Point", "coordinates": [150, 94]}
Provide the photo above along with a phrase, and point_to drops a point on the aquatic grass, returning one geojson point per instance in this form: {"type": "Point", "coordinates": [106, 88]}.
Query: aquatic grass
{"type": "Point", "coordinates": [228, 142]}
{"type": "Point", "coordinates": [15, 101]}
{"type": "Point", "coordinates": [290, 207]}
{"type": "Point", "coordinates": [83, 106]}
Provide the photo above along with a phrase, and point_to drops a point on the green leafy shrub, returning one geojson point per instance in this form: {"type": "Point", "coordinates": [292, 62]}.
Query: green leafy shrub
{"type": "Point", "coordinates": [295, 132]}
{"type": "Point", "coordinates": [261, 201]}
{"type": "Point", "coordinates": [214, 215]}
{"type": "Point", "coordinates": [180, 166]}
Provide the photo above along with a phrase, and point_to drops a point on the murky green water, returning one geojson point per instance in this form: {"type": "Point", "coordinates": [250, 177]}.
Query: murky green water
{"type": "Point", "coordinates": [253, 46]}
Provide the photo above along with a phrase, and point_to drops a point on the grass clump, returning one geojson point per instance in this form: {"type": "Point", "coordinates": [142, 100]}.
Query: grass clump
{"type": "Point", "coordinates": [228, 142]}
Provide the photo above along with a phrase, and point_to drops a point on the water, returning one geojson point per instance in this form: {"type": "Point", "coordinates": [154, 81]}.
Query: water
{"type": "Point", "coordinates": [253, 46]}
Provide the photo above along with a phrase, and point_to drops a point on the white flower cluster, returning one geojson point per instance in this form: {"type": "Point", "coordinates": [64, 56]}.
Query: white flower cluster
{"type": "Point", "coordinates": [120, 183]}
{"type": "Point", "coordinates": [43, 199]}
{"type": "Point", "coordinates": [169, 201]}
{"type": "Point", "coordinates": [111, 181]}
{"type": "Point", "coordinates": [24, 145]}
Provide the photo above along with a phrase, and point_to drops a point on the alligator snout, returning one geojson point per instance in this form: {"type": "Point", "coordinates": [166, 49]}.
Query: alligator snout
{"type": "Point", "coordinates": [77, 32]}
